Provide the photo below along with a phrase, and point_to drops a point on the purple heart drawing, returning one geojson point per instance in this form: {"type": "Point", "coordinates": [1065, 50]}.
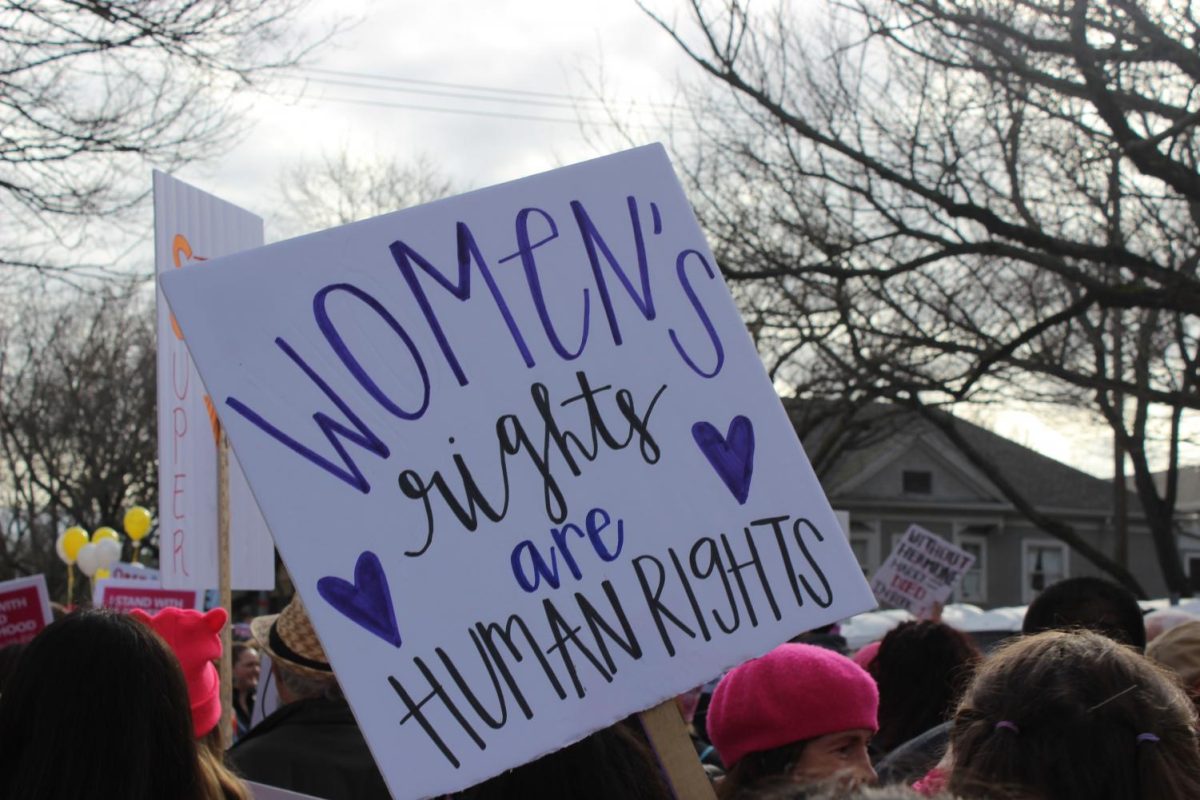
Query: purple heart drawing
{"type": "Point", "coordinates": [731, 455]}
{"type": "Point", "coordinates": [367, 601]}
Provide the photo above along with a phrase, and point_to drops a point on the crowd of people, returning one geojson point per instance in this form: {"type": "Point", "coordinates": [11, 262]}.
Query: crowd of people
{"type": "Point", "coordinates": [1078, 706]}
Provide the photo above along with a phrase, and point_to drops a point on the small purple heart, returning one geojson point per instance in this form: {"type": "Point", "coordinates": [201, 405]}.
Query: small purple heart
{"type": "Point", "coordinates": [731, 455]}
{"type": "Point", "coordinates": [367, 601]}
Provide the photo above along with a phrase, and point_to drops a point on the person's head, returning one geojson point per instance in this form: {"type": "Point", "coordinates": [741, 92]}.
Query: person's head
{"type": "Point", "coordinates": [195, 638]}
{"type": "Point", "coordinates": [787, 790]}
{"type": "Point", "coordinates": [921, 669]}
{"type": "Point", "coordinates": [8, 662]}
{"type": "Point", "coordinates": [298, 660]}
{"type": "Point", "coordinates": [1164, 619]}
{"type": "Point", "coordinates": [94, 689]}
{"type": "Point", "coordinates": [611, 763]}
{"type": "Point", "coordinates": [1074, 714]}
{"type": "Point", "coordinates": [1093, 604]}
{"type": "Point", "coordinates": [800, 711]}
{"type": "Point", "coordinates": [1179, 650]}
{"type": "Point", "coordinates": [245, 666]}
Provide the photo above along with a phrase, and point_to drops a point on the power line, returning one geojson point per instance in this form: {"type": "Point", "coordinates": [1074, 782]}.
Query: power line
{"type": "Point", "coordinates": [464, 111]}
{"type": "Point", "coordinates": [437, 93]}
{"type": "Point", "coordinates": [502, 94]}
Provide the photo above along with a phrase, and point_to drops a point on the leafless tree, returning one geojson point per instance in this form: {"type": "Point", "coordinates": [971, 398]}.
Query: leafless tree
{"type": "Point", "coordinates": [77, 424]}
{"type": "Point", "coordinates": [92, 92]}
{"type": "Point", "coordinates": [937, 203]}
{"type": "Point", "coordinates": [337, 188]}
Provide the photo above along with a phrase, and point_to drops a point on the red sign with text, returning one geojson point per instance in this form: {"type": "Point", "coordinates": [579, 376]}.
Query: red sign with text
{"type": "Point", "coordinates": [24, 609]}
{"type": "Point", "coordinates": [121, 596]}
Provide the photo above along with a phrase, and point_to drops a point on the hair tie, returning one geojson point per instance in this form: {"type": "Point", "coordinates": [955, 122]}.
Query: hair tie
{"type": "Point", "coordinates": [1147, 737]}
{"type": "Point", "coordinates": [1012, 726]}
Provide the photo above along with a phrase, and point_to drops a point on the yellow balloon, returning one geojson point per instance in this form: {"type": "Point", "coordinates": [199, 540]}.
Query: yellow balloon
{"type": "Point", "coordinates": [73, 541]}
{"type": "Point", "coordinates": [101, 573]}
{"type": "Point", "coordinates": [105, 533]}
{"type": "Point", "coordinates": [137, 522]}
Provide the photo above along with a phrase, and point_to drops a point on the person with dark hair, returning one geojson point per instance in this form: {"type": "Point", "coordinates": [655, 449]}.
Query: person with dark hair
{"type": "Point", "coordinates": [1068, 715]}
{"type": "Point", "coordinates": [921, 669]}
{"type": "Point", "coordinates": [801, 712]}
{"type": "Point", "coordinates": [98, 708]}
{"type": "Point", "coordinates": [1089, 603]}
{"type": "Point", "coordinates": [195, 638]}
{"type": "Point", "coordinates": [311, 744]}
{"type": "Point", "coordinates": [8, 661]}
{"type": "Point", "coordinates": [611, 763]}
{"type": "Point", "coordinates": [245, 684]}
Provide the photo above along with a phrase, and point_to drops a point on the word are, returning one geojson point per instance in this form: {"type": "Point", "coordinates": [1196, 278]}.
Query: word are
{"type": "Point", "coordinates": [527, 559]}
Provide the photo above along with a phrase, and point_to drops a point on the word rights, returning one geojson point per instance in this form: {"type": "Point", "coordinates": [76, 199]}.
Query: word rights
{"type": "Point", "coordinates": [522, 460]}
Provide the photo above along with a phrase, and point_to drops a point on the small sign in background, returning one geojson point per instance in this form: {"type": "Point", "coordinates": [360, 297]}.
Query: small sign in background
{"type": "Point", "coordinates": [921, 572]}
{"type": "Point", "coordinates": [24, 609]}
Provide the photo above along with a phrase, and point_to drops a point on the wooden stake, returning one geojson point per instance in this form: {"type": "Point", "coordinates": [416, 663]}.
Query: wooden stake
{"type": "Point", "coordinates": [224, 588]}
{"type": "Point", "coordinates": [681, 765]}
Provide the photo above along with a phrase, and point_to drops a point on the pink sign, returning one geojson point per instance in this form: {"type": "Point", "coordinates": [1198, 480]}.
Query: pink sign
{"type": "Point", "coordinates": [128, 595]}
{"type": "Point", "coordinates": [24, 609]}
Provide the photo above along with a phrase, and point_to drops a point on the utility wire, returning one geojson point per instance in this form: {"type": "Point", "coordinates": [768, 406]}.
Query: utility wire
{"type": "Point", "coordinates": [491, 93]}
{"type": "Point", "coordinates": [464, 111]}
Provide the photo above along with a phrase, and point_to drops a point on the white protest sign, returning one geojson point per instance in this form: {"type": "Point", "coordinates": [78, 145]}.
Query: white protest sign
{"type": "Point", "coordinates": [191, 227]}
{"type": "Point", "coordinates": [921, 571]}
{"type": "Point", "coordinates": [260, 791]}
{"type": "Point", "coordinates": [521, 459]}
{"type": "Point", "coordinates": [123, 570]}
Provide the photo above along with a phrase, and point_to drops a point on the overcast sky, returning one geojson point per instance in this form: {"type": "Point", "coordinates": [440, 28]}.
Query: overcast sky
{"type": "Point", "coordinates": [487, 91]}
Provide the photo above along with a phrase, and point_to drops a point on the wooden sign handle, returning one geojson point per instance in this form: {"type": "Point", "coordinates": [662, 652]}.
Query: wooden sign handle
{"type": "Point", "coordinates": [225, 668]}
{"type": "Point", "coordinates": [681, 766]}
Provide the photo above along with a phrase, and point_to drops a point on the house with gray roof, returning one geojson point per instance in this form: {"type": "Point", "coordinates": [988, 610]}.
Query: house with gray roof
{"type": "Point", "coordinates": [890, 468]}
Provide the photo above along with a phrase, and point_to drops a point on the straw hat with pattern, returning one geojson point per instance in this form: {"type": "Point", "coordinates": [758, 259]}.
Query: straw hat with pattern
{"type": "Point", "coordinates": [291, 641]}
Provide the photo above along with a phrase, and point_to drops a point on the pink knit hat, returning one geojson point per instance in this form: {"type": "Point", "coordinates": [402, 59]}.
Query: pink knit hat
{"type": "Point", "coordinates": [195, 638]}
{"type": "Point", "coordinates": [866, 655]}
{"type": "Point", "coordinates": [794, 693]}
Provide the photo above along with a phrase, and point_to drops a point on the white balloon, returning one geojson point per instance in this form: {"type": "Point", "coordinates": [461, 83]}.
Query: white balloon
{"type": "Point", "coordinates": [58, 546]}
{"type": "Point", "coordinates": [110, 552]}
{"type": "Point", "coordinates": [89, 559]}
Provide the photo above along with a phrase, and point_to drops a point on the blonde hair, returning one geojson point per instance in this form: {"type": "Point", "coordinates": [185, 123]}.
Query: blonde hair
{"type": "Point", "coordinates": [218, 781]}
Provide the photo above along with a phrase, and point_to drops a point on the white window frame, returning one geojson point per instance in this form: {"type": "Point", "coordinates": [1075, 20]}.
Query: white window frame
{"type": "Point", "coordinates": [872, 539]}
{"type": "Point", "coordinates": [1027, 546]}
{"type": "Point", "coordinates": [978, 539]}
{"type": "Point", "coordinates": [1186, 554]}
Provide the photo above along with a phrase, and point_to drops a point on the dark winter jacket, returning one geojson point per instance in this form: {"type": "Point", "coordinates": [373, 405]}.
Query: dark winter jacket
{"type": "Point", "coordinates": [314, 747]}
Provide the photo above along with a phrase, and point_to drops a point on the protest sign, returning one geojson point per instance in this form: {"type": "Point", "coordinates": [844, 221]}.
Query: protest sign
{"type": "Point", "coordinates": [260, 791]}
{"type": "Point", "coordinates": [125, 571]}
{"type": "Point", "coordinates": [521, 459]}
{"type": "Point", "coordinates": [24, 609]}
{"type": "Point", "coordinates": [126, 595]}
{"type": "Point", "coordinates": [190, 227]}
{"type": "Point", "coordinates": [920, 572]}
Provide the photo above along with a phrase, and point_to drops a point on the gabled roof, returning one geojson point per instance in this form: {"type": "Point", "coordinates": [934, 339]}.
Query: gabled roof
{"type": "Point", "coordinates": [888, 429]}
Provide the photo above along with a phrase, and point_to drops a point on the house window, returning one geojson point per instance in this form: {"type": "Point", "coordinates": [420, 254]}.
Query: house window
{"type": "Point", "coordinates": [864, 541]}
{"type": "Point", "coordinates": [917, 481]}
{"type": "Point", "coordinates": [972, 588]}
{"type": "Point", "coordinates": [1045, 563]}
{"type": "Point", "coordinates": [1193, 570]}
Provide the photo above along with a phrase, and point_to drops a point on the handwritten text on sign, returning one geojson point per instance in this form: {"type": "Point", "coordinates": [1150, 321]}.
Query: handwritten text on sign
{"type": "Point", "coordinates": [921, 571]}
{"type": "Point", "coordinates": [522, 460]}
